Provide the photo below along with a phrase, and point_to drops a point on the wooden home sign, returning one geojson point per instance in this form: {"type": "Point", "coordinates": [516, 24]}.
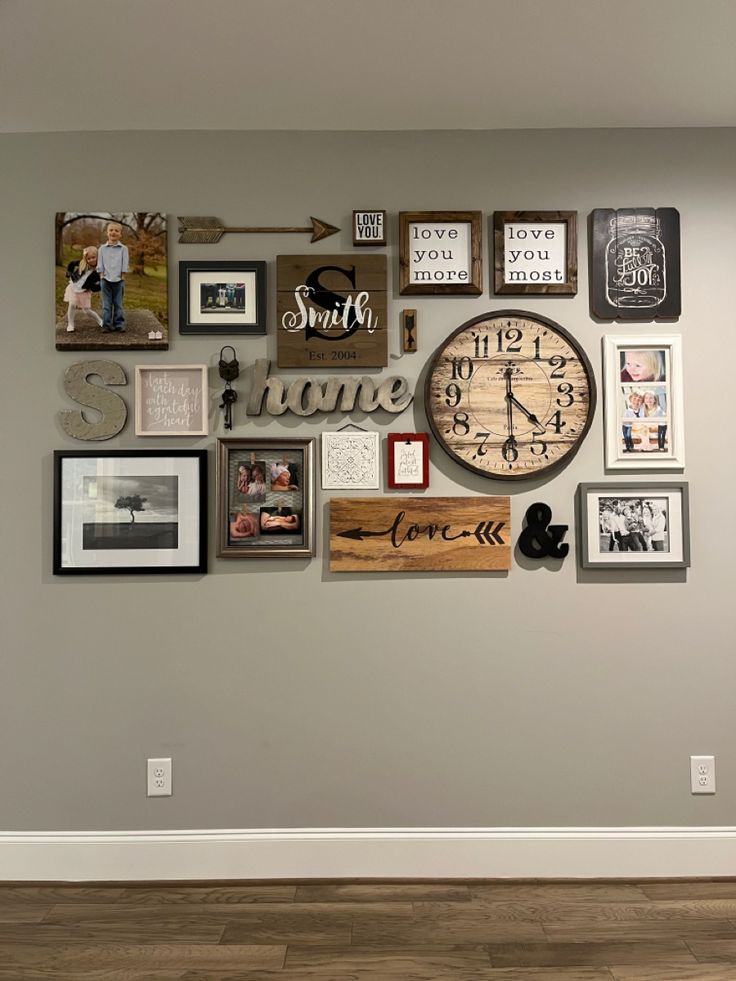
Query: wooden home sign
{"type": "Point", "coordinates": [420, 534]}
{"type": "Point", "coordinates": [344, 393]}
{"type": "Point", "coordinates": [331, 311]}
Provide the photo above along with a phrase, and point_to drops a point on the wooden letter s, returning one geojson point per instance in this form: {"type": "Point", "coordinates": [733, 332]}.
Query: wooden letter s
{"type": "Point", "coordinates": [114, 410]}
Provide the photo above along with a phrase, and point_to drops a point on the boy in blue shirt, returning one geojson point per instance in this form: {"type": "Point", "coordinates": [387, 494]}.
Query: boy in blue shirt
{"type": "Point", "coordinates": [112, 265]}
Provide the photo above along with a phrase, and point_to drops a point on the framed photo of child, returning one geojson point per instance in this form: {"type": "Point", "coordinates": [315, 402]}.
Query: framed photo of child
{"type": "Point", "coordinates": [644, 402]}
{"type": "Point", "coordinates": [111, 281]}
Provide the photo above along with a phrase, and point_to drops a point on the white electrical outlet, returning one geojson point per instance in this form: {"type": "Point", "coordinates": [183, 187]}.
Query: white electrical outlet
{"type": "Point", "coordinates": [702, 774]}
{"type": "Point", "coordinates": [159, 778]}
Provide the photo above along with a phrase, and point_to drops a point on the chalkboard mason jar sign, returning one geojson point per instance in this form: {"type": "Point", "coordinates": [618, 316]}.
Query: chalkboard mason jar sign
{"type": "Point", "coordinates": [636, 263]}
{"type": "Point", "coordinates": [331, 311]}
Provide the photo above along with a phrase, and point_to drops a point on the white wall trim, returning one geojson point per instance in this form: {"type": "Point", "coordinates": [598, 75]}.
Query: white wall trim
{"type": "Point", "coordinates": [368, 853]}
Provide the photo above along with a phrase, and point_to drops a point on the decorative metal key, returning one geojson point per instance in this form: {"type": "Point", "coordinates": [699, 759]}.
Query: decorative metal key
{"type": "Point", "coordinates": [229, 371]}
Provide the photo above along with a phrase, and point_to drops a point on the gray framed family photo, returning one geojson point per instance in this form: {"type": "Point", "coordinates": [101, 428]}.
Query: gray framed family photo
{"type": "Point", "coordinates": [111, 281]}
{"type": "Point", "coordinates": [633, 525]}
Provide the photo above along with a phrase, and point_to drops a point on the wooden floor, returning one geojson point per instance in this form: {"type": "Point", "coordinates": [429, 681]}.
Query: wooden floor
{"type": "Point", "coordinates": [393, 931]}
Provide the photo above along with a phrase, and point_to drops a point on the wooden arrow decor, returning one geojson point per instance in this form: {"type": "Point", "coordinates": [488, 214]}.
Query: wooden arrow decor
{"type": "Point", "coordinates": [206, 230]}
{"type": "Point", "coordinates": [419, 534]}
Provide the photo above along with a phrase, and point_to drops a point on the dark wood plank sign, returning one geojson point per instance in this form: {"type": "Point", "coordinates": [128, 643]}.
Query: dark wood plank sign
{"type": "Point", "coordinates": [635, 263]}
{"type": "Point", "coordinates": [408, 331]}
{"type": "Point", "coordinates": [413, 534]}
{"type": "Point", "coordinates": [331, 311]}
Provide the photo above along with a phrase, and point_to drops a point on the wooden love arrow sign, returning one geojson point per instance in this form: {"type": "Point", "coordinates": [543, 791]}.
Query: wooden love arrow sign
{"type": "Point", "coordinates": [419, 534]}
{"type": "Point", "coordinates": [206, 230]}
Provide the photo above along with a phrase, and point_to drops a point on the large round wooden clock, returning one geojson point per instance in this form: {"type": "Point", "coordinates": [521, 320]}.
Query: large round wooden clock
{"type": "Point", "coordinates": [510, 394]}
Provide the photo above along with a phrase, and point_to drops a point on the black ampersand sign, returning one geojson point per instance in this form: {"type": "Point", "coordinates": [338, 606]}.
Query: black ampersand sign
{"type": "Point", "coordinates": [541, 539]}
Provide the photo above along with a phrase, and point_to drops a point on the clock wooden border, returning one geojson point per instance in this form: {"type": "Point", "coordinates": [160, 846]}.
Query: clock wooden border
{"type": "Point", "coordinates": [569, 287]}
{"type": "Point", "coordinates": [584, 360]}
{"type": "Point", "coordinates": [475, 286]}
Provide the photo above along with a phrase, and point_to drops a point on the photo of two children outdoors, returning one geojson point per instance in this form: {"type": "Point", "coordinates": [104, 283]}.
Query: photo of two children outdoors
{"type": "Point", "coordinates": [111, 281]}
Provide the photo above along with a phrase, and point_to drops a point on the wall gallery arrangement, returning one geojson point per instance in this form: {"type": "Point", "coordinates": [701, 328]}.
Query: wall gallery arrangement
{"type": "Point", "coordinates": [509, 394]}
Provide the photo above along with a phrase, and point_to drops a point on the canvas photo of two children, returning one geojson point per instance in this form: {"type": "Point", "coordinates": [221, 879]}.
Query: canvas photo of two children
{"type": "Point", "coordinates": [111, 281]}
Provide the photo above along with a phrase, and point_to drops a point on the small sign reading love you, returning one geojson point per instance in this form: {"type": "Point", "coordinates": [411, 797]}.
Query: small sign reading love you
{"type": "Point", "coordinates": [369, 228]}
{"type": "Point", "coordinates": [171, 400]}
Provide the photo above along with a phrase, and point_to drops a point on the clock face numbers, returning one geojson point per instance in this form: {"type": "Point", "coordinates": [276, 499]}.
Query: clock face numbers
{"type": "Point", "coordinates": [510, 394]}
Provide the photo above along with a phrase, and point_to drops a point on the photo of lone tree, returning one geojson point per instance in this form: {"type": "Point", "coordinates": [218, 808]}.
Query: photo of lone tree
{"type": "Point", "coordinates": [132, 503]}
{"type": "Point", "coordinates": [114, 502]}
{"type": "Point", "coordinates": [111, 281]}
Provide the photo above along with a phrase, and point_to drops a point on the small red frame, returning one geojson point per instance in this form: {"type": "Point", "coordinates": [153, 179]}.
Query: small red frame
{"type": "Point", "coordinates": [395, 461]}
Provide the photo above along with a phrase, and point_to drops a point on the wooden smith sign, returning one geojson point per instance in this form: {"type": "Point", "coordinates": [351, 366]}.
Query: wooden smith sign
{"type": "Point", "coordinates": [331, 311]}
{"type": "Point", "coordinates": [412, 534]}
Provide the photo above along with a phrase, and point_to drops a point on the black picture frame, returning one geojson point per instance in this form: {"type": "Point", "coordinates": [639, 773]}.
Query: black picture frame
{"type": "Point", "coordinates": [70, 532]}
{"type": "Point", "coordinates": [252, 320]}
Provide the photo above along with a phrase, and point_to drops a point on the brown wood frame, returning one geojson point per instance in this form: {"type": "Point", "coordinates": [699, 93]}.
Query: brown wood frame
{"type": "Point", "coordinates": [472, 288]}
{"type": "Point", "coordinates": [569, 287]}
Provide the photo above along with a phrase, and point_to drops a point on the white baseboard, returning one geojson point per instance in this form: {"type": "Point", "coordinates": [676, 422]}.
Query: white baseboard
{"type": "Point", "coordinates": [369, 853]}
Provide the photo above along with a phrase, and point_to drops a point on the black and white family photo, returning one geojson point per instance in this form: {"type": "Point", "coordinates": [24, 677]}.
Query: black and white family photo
{"type": "Point", "coordinates": [633, 524]}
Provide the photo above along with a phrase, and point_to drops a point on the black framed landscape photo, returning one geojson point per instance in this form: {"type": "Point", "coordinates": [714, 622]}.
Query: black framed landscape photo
{"type": "Point", "coordinates": [265, 497]}
{"type": "Point", "coordinates": [633, 525]}
{"type": "Point", "coordinates": [222, 297]}
{"type": "Point", "coordinates": [535, 252]}
{"type": "Point", "coordinates": [130, 511]}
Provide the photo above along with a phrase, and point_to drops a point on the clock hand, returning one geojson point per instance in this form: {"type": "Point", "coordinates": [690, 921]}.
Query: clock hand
{"type": "Point", "coordinates": [509, 397]}
{"type": "Point", "coordinates": [530, 415]}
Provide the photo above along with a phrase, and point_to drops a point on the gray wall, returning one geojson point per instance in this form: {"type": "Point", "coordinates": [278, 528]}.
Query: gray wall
{"type": "Point", "coordinates": [289, 697]}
